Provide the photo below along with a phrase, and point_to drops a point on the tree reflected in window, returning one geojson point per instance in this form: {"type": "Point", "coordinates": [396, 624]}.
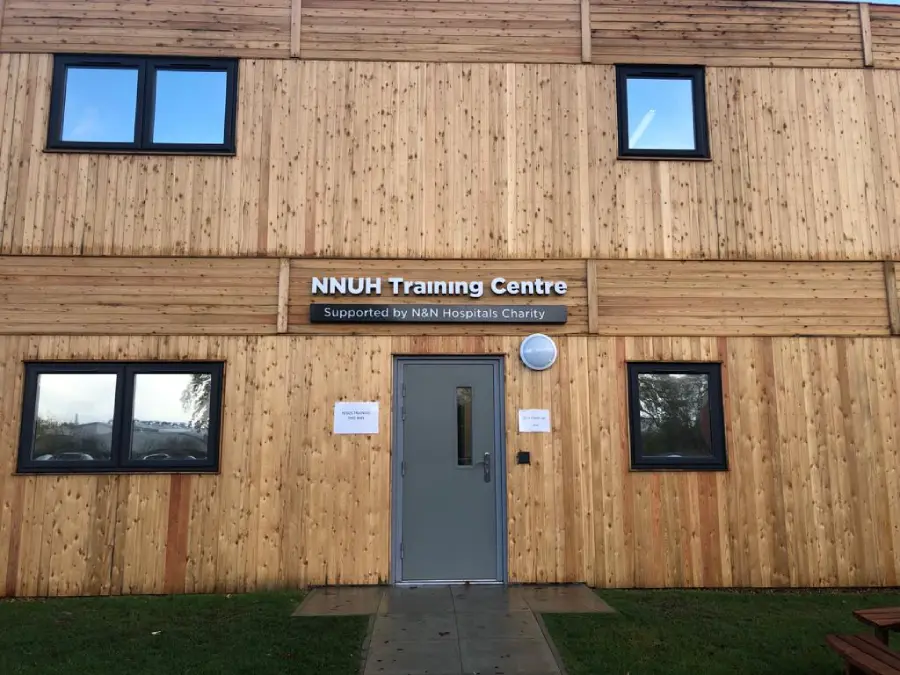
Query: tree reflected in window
{"type": "Point", "coordinates": [676, 416]}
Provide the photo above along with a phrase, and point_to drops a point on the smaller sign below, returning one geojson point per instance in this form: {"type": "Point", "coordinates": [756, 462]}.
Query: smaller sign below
{"type": "Point", "coordinates": [534, 421]}
{"type": "Point", "coordinates": [434, 313]}
{"type": "Point", "coordinates": [356, 417]}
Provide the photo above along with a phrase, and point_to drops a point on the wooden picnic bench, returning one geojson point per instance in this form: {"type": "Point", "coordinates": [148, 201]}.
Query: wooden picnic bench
{"type": "Point", "coordinates": [883, 619]}
{"type": "Point", "coordinates": [865, 655]}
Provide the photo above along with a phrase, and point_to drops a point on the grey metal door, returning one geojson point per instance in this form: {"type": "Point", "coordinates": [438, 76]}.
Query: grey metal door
{"type": "Point", "coordinates": [449, 471]}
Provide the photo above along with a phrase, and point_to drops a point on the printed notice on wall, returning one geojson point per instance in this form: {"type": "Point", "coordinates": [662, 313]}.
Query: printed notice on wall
{"type": "Point", "coordinates": [356, 417]}
{"type": "Point", "coordinates": [534, 421]}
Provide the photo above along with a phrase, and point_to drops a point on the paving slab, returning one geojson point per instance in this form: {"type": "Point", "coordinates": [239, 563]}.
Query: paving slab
{"type": "Point", "coordinates": [419, 627]}
{"type": "Point", "coordinates": [417, 600]}
{"type": "Point", "coordinates": [341, 601]}
{"type": "Point", "coordinates": [573, 598]}
{"type": "Point", "coordinates": [510, 657]}
{"type": "Point", "coordinates": [488, 599]}
{"type": "Point", "coordinates": [431, 657]}
{"type": "Point", "coordinates": [498, 625]}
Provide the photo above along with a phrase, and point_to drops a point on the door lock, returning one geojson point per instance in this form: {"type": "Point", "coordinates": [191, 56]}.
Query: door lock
{"type": "Point", "coordinates": [487, 467]}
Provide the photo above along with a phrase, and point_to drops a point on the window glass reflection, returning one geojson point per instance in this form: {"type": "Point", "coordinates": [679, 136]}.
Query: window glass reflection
{"type": "Point", "coordinates": [660, 114]}
{"type": "Point", "coordinates": [74, 417]}
{"type": "Point", "coordinates": [100, 105]}
{"type": "Point", "coordinates": [190, 106]}
{"type": "Point", "coordinates": [675, 417]}
{"type": "Point", "coordinates": [170, 419]}
{"type": "Point", "coordinates": [464, 426]}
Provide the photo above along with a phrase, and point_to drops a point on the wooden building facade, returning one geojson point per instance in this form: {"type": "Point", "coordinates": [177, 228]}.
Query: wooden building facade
{"type": "Point", "coordinates": [463, 141]}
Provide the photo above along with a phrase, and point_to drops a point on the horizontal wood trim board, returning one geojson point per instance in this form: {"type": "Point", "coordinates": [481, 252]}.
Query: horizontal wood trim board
{"type": "Point", "coordinates": [138, 295]}
{"type": "Point", "coordinates": [257, 296]}
{"type": "Point", "coordinates": [810, 430]}
{"type": "Point", "coordinates": [189, 27]}
{"type": "Point", "coordinates": [666, 298]}
{"type": "Point", "coordinates": [565, 31]}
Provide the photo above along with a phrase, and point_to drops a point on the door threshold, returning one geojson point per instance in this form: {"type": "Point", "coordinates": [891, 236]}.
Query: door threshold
{"type": "Point", "coordinates": [450, 582]}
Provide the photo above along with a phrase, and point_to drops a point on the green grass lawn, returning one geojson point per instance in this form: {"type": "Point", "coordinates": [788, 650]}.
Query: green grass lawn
{"type": "Point", "coordinates": [175, 635]}
{"type": "Point", "coordinates": [709, 632]}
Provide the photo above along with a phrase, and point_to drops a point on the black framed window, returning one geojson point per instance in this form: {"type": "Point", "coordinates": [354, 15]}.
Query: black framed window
{"type": "Point", "coordinates": [143, 104]}
{"type": "Point", "coordinates": [98, 417]}
{"type": "Point", "coordinates": [662, 111]}
{"type": "Point", "coordinates": [676, 416]}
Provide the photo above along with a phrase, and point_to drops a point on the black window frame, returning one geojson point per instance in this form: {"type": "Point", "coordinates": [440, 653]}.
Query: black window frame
{"type": "Point", "coordinates": [697, 76]}
{"type": "Point", "coordinates": [147, 67]}
{"type": "Point", "coordinates": [119, 461]}
{"type": "Point", "coordinates": [719, 459]}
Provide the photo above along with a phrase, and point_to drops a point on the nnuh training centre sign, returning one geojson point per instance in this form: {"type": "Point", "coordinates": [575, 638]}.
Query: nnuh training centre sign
{"type": "Point", "coordinates": [399, 286]}
{"type": "Point", "coordinates": [433, 312]}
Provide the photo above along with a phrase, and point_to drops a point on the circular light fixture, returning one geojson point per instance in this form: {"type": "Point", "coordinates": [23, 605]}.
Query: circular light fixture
{"type": "Point", "coordinates": [538, 352]}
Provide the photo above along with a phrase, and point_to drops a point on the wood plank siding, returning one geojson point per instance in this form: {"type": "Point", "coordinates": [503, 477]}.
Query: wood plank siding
{"type": "Point", "coordinates": [687, 298]}
{"type": "Point", "coordinates": [215, 296]}
{"type": "Point", "coordinates": [481, 161]}
{"type": "Point", "coordinates": [727, 32]}
{"type": "Point", "coordinates": [467, 140]}
{"type": "Point", "coordinates": [295, 505]}
{"type": "Point", "coordinates": [716, 32]}
{"type": "Point", "coordinates": [885, 36]}
{"type": "Point", "coordinates": [425, 30]}
{"type": "Point", "coordinates": [250, 28]}
{"type": "Point", "coordinates": [138, 295]}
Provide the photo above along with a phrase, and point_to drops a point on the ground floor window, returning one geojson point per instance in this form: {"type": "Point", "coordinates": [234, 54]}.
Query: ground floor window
{"type": "Point", "coordinates": [97, 417]}
{"type": "Point", "coordinates": [676, 416]}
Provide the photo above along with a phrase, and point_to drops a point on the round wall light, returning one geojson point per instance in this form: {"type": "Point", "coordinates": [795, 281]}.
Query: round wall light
{"type": "Point", "coordinates": [538, 352]}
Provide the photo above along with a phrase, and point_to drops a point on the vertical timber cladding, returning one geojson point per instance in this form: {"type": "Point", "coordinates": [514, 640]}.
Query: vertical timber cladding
{"type": "Point", "coordinates": [801, 160]}
{"type": "Point", "coordinates": [811, 493]}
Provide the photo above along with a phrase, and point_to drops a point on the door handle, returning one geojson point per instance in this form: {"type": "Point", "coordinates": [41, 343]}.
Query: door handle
{"type": "Point", "coordinates": [487, 467]}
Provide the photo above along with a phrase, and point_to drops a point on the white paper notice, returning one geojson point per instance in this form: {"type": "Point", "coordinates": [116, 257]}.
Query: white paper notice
{"type": "Point", "coordinates": [534, 421]}
{"type": "Point", "coordinates": [356, 418]}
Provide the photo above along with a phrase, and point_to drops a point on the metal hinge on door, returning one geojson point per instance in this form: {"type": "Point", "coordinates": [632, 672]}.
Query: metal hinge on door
{"type": "Point", "coordinates": [403, 402]}
{"type": "Point", "coordinates": [402, 468]}
{"type": "Point", "coordinates": [401, 550]}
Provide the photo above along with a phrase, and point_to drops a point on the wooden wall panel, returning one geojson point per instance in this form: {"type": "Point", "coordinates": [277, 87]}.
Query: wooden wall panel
{"type": "Point", "coordinates": [813, 437]}
{"type": "Point", "coordinates": [719, 32]}
{"type": "Point", "coordinates": [481, 161]}
{"type": "Point", "coordinates": [191, 27]}
{"type": "Point", "coordinates": [803, 439]}
{"type": "Point", "coordinates": [688, 298]}
{"type": "Point", "coordinates": [82, 204]}
{"type": "Point", "coordinates": [436, 30]}
{"type": "Point", "coordinates": [288, 508]}
{"type": "Point", "coordinates": [246, 296]}
{"type": "Point", "coordinates": [228, 296]}
{"type": "Point", "coordinates": [726, 32]}
{"type": "Point", "coordinates": [883, 88]}
{"type": "Point", "coordinates": [573, 272]}
{"type": "Point", "coordinates": [115, 296]}
{"type": "Point", "coordinates": [885, 22]}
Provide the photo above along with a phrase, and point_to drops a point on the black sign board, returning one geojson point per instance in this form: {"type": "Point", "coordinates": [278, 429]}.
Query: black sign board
{"type": "Point", "coordinates": [434, 313]}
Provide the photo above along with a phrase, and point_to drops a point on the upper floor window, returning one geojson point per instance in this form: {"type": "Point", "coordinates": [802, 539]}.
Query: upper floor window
{"type": "Point", "coordinates": [676, 415]}
{"type": "Point", "coordinates": [662, 111]}
{"type": "Point", "coordinates": [135, 104]}
{"type": "Point", "coordinates": [97, 417]}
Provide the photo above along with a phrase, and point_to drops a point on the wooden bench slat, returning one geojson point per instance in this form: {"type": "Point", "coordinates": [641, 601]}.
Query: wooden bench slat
{"type": "Point", "coordinates": [879, 610]}
{"type": "Point", "coordinates": [866, 652]}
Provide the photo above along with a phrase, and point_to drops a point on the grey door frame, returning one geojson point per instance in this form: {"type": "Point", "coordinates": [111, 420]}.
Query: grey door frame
{"type": "Point", "coordinates": [499, 462]}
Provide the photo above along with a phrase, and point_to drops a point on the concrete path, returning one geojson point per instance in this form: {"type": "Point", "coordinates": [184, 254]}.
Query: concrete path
{"type": "Point", "coordinates": [456, 630]}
